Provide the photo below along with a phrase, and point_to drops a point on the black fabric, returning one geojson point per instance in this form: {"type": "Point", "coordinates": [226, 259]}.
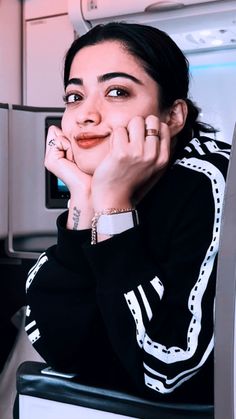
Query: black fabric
{"type": "Point", "coordinates": [138, 309]}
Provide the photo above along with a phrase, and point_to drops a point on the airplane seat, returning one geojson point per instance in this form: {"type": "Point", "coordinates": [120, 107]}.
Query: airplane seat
{"type": "Point", "coordinates": [21, 351]}
{"type": "Point", "coordinates": [56, 397]}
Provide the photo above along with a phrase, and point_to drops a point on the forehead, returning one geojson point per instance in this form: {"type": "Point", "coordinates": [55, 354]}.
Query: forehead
{"type": "Point", "coordinates": [104, 57]}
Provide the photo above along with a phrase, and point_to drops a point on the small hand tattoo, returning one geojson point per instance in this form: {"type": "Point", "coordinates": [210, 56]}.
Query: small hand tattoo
{"type": "Point", "coordinates": [76, 216]}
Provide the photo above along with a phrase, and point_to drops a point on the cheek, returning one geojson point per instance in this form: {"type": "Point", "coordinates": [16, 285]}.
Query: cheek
{"type": "Point", "coordinates": [63, 120]}
{"type": "Point", "coordinates": [150, 107]}
{"type": "Point", "coordinates": [141, 107]}
{"type": "Point", "coordinates": [121, 117]}
{"type": "Point", "coordinates": [115, 117]}
{"type": "Point", "coordinates": [65, 124]}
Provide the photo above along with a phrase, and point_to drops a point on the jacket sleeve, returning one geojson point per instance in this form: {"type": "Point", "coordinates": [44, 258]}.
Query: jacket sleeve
{"type": "Point", "coordinates": [146, 295]}
{"type": "Point", "coordinates": [62, 317]}
{"type": "Point", "coordinates": [158, 304]}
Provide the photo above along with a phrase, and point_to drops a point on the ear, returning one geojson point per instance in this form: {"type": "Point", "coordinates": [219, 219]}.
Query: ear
{"type": "Point", "coordinates": [176, 116]}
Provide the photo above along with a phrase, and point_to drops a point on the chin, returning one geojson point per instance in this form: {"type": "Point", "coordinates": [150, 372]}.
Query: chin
{"type": "Point", "coordinates": [89, 163]}
{"type": "Point", "coordinates": [86, 168]}
{"type": "Point", "coordinates": [88, 171]}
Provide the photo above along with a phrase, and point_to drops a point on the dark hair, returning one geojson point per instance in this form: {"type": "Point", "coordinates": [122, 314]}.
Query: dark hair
{"type": "Point", "coordinates": [162, 60]}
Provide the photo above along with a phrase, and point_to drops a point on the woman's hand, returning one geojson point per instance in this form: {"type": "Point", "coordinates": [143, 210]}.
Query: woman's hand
{"type": "Point", "coordinates": [59, 160]}
{"type": "Point", "coordinates": [135, 162]}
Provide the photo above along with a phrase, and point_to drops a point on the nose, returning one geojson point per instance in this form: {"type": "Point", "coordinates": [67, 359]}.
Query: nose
{"type": "Point", "coordinates": [88, 113]}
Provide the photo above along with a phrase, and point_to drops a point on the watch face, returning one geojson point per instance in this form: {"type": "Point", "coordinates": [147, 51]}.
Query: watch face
{"type": "Point", "coordinates": [117, 222]}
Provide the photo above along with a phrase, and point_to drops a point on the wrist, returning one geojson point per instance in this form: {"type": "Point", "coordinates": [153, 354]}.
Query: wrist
{"type": "Point", "coordinates": [107, 198]}
{"type": "Point", "coordinates": [80, 214]}
{"type": "Point", "coordinates": [112, 221]}
{"type": "Point", "coordinates": [112, 204]}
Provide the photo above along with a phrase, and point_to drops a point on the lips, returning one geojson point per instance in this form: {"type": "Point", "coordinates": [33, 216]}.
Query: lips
{"type": "Point", "coordinates": [89, 140]}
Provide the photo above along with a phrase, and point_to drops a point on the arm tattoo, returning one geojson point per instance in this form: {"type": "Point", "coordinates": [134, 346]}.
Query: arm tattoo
{"type": "Point", "coordinates": [76, 215]}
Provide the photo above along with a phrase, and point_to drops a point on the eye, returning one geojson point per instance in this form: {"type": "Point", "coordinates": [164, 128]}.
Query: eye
{"type": "Point", "coordinates": [117, 92]}
{"type": "Point", "coordinates": [72, 98]}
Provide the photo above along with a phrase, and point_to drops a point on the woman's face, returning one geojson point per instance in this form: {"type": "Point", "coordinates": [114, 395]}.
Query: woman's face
{"type": "Point", "coordinates": [107, 87]}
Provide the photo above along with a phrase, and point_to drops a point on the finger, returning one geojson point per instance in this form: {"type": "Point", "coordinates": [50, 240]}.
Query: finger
{"type": "Point", "coordinates": [164, 145]}
{"type": "Point", "coordinates": [58, 147]}
{"type": "Point", "coordinates": [136, 131]}
{"type": "Point", "coordinates": [53, 132]}
{"type": "Point", "coordinates": [152, 136]}
{"type": "Point", "coordinates": [119, 141]}
{"type": "Point", "coordinates": [152, 132]}
{"type": "Point", "coordinates": [69, 155]}
{"type": "Point", "coordinates": [152, 124]}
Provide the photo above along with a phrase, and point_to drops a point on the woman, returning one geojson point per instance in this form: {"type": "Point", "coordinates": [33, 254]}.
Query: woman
{"type": "Point", "coordinates": [126, 297]}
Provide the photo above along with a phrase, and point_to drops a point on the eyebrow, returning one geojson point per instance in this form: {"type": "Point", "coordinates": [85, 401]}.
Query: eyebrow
{"type": "Point", "coordinates": [105, 77]}
{"type": "Point", "coordinates": [109, 76]}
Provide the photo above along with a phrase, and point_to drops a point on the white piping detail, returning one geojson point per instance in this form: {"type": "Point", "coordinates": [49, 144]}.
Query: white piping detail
{"type": "Point", "coordinates": [197, 145]}
{"type": "Point", "coordinates": [158, 286]}
{"type": "Point", "coordinates": [213, 148]}
{"type": "Point", "coordinates": [27, 311]}
{"type": "Point", "coordinates": [137, 315]}
{"type": "Point", "coordinates": [189, 371]}
{"type": "Point", "coordinates": [31, 324]}
{"type": "Point", "coordinates": [145, 302]}
{"type": "Point", "coordinates": [34, 336]}
{"type": "Point", "coordinates": [158, 385]}
{"type": "Point", "coordinates": [41, 260]}
{"type": "Point", "coordinates": [174, 354]}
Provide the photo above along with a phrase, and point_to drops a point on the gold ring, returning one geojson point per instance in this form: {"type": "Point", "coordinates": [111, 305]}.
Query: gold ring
{"type": "Point", "coordinates": [152, 132]}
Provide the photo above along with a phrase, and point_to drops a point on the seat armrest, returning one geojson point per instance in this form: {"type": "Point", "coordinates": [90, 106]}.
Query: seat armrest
{"type": "Point", "coordinates": [32, 382]}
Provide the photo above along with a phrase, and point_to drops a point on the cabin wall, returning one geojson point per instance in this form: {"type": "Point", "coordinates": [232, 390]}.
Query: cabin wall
{"type": "Point", "coordinates": [10, 51]}
{"type": "Point", "coordinates": [47, 34]}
